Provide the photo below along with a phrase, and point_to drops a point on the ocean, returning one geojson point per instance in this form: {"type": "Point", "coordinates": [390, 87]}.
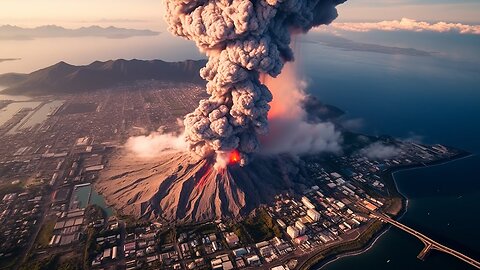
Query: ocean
{"type": "Point", "coordinates": [432, 99]}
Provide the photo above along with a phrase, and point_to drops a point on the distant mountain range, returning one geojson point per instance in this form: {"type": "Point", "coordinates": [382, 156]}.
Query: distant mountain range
{"type": "Point", "coordinates": [8, 59]}
{"type": "Point", "coordinates": [63, 78]}
{"type": "Point", "coordinates": [12, 32]}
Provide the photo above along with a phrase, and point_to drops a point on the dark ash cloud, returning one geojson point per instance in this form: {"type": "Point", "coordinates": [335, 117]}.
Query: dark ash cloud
{"type": "Point", "coordinates": [243, 39]}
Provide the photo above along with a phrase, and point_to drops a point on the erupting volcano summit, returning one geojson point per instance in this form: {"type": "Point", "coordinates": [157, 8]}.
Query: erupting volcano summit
{"type": "Point", "coordinates": [244, 40]}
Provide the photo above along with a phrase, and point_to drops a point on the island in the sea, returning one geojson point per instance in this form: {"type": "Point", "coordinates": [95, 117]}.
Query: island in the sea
{"type": "Point", "coordinates": [74, 195]}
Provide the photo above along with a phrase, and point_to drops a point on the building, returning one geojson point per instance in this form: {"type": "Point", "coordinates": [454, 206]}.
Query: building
{"type": "Point", "coordinates": [232, 239]}
{"type": "Point", "coordinates": [281, 223]}
{"type": "Point", "coordinates": [222, 262]}
{"type": "Point", "coordinates": [240, 252]}
{"type": "Point", "coordinates": [335, 175]}
{"type": "Point", "coordinates": [253, 260]}
{"type": "Point", "coordinates": [301, 227]}
{"type": "Point", "coordinates": [266, 251]}
{"type": "Point", "coordinates": [313, 214]}
{"type": "Point", "coordinates": [340, 205]}
{"type": "Point", "coordinates": [114, 253]}
{"type": "Point", "coordinates": [293, 232]}
{"type": "Point", "coordinates": [369, 205]}
{"type": "Point", "coordinates": [301, 239]}
{"type": "Point", "coordinates": [307, 203]}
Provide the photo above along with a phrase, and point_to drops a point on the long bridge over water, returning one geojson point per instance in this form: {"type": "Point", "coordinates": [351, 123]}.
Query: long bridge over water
{"type": "Point", "coordinates": [428, 242]}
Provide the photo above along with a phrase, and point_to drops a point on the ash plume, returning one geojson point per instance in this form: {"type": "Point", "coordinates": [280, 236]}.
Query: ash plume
{"type": "Point", "coordinates": [243, 39]}
{"type": "Point", "coordinates": [290, 132]}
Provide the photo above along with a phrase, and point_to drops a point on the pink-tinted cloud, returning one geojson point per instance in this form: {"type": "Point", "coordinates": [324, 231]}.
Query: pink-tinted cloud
{"type": "Point", "coordinates": [406, 24]}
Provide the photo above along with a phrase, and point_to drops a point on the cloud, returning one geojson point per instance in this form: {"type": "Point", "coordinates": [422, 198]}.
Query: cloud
{"type": "Point", "coordinates": [413, 137]}
{"type": "Point", "coordinates": [406, 24]}
{"type": "Point", "coordinates": [354, 124]}
{"type": "Point", "coordinates": [243, 39]}
{"type": "Point", "coordinates": [290, 132]}
{"type": "Point", "coordinates": [378, 150]}
{"type": "Point", "coordinates": [155, 144]}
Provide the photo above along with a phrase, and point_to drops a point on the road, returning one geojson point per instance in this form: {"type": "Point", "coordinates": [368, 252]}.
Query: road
{"type": "Point", "coordinates": [428, 242]}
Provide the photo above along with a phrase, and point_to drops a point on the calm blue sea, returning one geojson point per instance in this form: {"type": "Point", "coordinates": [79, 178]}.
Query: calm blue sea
{"type": "Point", "coordinates": [435, 99]}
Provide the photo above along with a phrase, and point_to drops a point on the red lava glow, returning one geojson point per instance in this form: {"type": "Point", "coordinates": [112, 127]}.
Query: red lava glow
{"type": "Point", "coordinates": [234, 157]}
{"type": "Point", "coordinates": [208, 170]}
{"type": "Point", "coordinates": [285, 100]}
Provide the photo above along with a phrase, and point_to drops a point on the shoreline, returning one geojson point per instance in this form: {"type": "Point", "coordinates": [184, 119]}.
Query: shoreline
{"type": "Point", "coordinates": [389, 175]}
{"type": "Point", "coordinates": [357, 252]}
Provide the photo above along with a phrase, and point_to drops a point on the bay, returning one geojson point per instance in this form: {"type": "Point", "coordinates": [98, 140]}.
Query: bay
{"type": "Point", "coordinates": [429, 99]}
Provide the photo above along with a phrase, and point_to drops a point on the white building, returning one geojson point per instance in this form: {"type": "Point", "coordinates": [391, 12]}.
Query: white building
{"type": "Point", "coordinates": [307, 203]}
{"type": "Point", "coordinates": [293, 232]}
{"type": "Point", "coordinates": [301, 227]}
{"type": "Point", "coordinates": [313, 214]}
{"type": "Point", "coordinates": [253, 260]}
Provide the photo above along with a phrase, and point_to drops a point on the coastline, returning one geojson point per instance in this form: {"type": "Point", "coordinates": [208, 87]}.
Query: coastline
{"type": "Point", "coordinates": [367, 247]}
{"type": "Point", "coordinates": [389, 178]}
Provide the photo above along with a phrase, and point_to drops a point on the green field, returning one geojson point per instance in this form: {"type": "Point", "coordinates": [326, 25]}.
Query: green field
{"type": "Point", "coordinates": [257, 228]}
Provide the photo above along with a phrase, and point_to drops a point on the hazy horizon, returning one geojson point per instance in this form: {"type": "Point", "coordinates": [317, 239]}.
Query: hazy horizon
{"type": "Point", "coordinates": [149, 13]}
{"type": "Point", "coordinates": [355, 17]}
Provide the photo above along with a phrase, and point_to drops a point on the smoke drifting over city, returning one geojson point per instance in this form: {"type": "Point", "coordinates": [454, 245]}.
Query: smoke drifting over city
{"type": "Point", "coordinates": [155, 144]}
{"type": "Point", "coordinates": [243, 40]}
{"type": "Point", "coordinates": [380, 151]}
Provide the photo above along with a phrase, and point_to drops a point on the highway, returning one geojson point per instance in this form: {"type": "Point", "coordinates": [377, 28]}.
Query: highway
{"type": "Point", "coordinates": [428, 242]}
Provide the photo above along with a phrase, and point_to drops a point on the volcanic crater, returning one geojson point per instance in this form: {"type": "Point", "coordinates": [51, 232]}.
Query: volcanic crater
{"type": "Point", "coordinates": [176, 187]}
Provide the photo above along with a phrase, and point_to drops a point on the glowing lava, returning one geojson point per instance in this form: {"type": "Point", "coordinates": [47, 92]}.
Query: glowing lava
{"type": "Point", "coordinates": [234, 157]}
{"type": "Point", "coordinates": [207, 172]}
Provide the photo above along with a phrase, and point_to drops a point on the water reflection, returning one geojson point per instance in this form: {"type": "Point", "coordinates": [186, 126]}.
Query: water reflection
{"type": "Point", "coordinates": [13, 108]}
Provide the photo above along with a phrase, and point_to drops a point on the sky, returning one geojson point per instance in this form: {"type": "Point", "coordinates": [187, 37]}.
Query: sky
{"type": "Point", "coordinates": [464, 11]}
{"type": "Point", "coordinates": [148, 13]}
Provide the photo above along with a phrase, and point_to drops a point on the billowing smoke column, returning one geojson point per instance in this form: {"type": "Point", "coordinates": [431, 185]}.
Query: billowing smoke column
{"type": "Point", "coordinates": [243, 39]}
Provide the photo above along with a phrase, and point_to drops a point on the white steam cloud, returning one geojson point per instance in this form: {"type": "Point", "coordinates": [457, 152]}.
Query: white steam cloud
{"type": "Point", "coordinates": [289, 130]}
{"type": "Point", "coordinates": [243, 39]}
{"type": "Point", "coordinates": [406, 24]}
{"type": "Point", "coordinates": [155, 144]}
{"type": "Point", "coordinates": [378, 150]}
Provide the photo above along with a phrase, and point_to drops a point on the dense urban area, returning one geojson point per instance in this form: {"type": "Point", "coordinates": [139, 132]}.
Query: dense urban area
{"type": "Point", "coordinates": [52, 218]}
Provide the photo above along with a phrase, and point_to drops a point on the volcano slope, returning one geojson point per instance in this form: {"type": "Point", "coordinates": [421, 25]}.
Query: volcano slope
{"type": "Point", "coordinates": [178, 188]}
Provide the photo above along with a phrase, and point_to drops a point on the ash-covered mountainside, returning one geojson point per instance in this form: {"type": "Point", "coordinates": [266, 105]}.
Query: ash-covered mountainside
{"type": "Point", "coordinates": [177, 187]}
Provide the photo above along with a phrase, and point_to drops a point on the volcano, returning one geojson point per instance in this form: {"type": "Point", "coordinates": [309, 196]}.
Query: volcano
{"type": "Point", "coordinates": [179, 188]}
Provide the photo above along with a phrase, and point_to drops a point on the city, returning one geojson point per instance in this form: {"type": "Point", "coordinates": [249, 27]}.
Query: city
{"type": "Point", "coordinates": [57, 219]}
